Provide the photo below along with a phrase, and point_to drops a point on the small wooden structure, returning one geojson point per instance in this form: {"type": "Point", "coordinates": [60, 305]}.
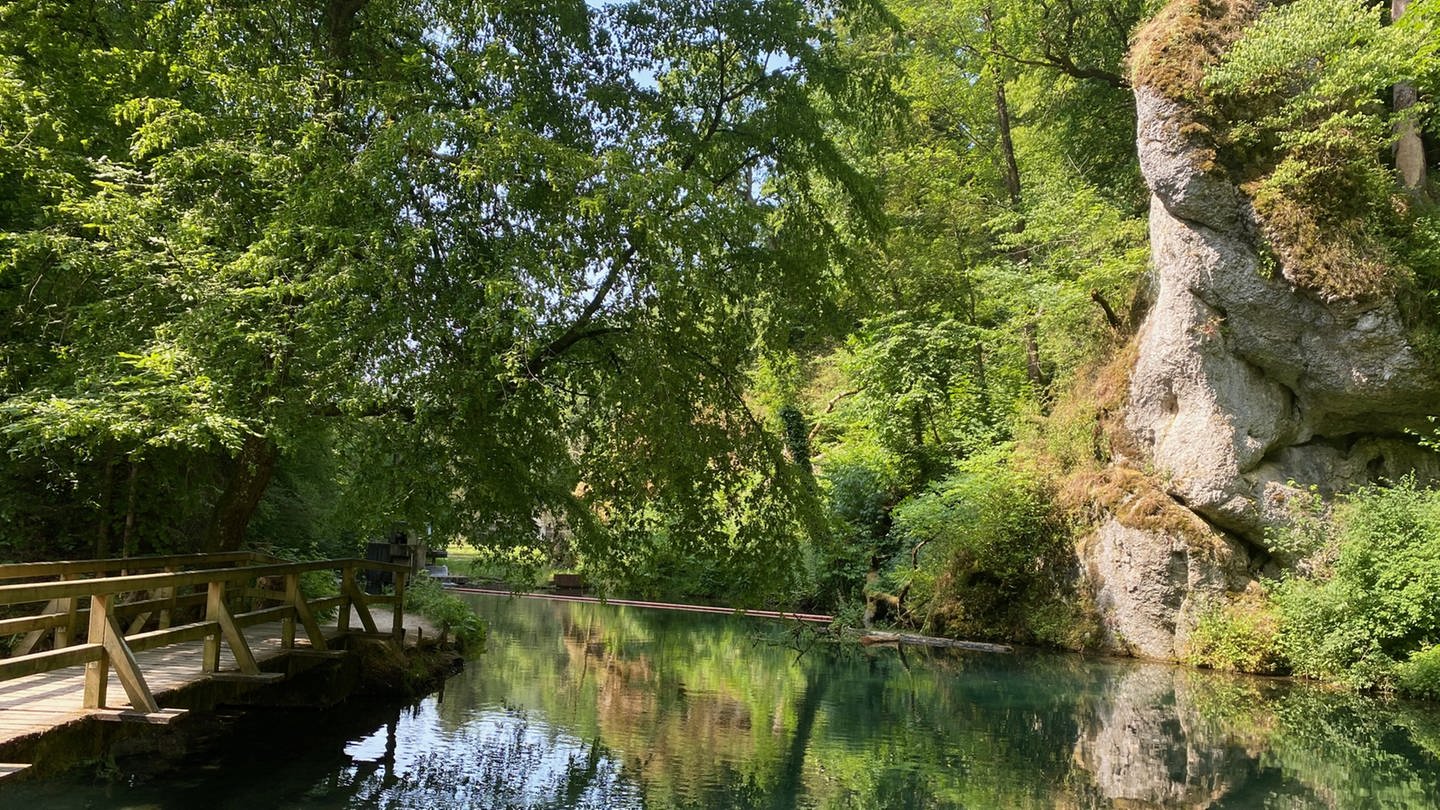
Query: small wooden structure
{"type": "Point", "coordinates": [568, 583]}
{"type": "Point", "coordinates": [168, 616]}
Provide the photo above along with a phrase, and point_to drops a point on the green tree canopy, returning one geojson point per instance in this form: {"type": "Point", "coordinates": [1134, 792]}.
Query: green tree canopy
{"type": "Point", "coordinates": [467, 256]}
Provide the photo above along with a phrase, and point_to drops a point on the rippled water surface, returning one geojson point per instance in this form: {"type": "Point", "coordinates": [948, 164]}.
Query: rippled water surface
{"type": "Point", "coordinates": [578, 705]}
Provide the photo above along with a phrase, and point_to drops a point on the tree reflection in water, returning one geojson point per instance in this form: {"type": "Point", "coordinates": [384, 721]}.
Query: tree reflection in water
{"type": "Point", "coordinates": [581, 706]}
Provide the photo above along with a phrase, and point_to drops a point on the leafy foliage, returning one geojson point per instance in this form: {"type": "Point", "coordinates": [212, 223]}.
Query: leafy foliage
{"type": "Point", "coordinates": [1420, 675]}
{"type": "Point", "coordinates": [1379, 605]}
{"type": "Point", "coordinates": [472, 258]}
{"type": "Point", "coordinates": [1297, 94]}
{"type": "Point", "coordinates": [1000, 557]}
{"type": "Point", "coordinates": [1240, 636]}
{"type": "Point", "coordinates": [426, 597]}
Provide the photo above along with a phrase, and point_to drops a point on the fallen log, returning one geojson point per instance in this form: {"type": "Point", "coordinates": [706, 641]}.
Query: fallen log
{"type": "Point", "coordinates": [931, 641]}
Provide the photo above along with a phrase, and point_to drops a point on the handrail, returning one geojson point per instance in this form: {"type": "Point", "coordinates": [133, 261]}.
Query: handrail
{"type": "Point", "coordinates": [100, 566]}
{"type": "Point", "coordinates": [41, 591]}
{"type": "Point", "coordinates": [108, 645]}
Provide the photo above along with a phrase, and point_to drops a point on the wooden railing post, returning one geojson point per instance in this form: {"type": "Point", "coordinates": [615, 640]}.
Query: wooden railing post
{"type": "Point", "coordinates": [97, 672]}
{"type": "Point", "coordinates": [167, 613]}
{"type": "Point", "coordinates": [217, 611]}
{"type": "Point", "coordinates": [65, 633]}
{"type": "Point", "coordinates": [118, 654]}
{"type": "Point", "coordinates": [210, 658]}
{"type": "Point", "coordinates": [357, 598]}
{"type": "Point", "coordinates": [347, 586]}
{"type": "Point", "coordinates": [397, 626]}
{"type": "Point", "coordinates": [32, 639]}
{"type": "Point", "coordinates": [301, 608]}
{"type": "Point", "coordinates": [287, 624]}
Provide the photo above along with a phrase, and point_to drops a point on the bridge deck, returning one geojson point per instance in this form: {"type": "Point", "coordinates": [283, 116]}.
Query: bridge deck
{"type": "Point", "coordinates": [37, 703]}
{"type": "Point", "coordinates": [40, 702]}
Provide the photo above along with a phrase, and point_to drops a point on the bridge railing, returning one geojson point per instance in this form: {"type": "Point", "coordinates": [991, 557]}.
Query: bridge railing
{"type": "Point", "coordinates": [60, 619]}
{"type": "Point", "coordinates": [96, 604]}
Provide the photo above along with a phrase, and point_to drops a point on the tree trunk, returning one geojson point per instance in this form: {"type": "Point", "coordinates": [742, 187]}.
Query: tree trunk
{"type": "Point", "coordinates": [107, 494]}
{"type": "Point", "coordinates": [1010, 167]}
{"type": "Point", "coordinates": [1409, 148]}
{"type": "Point", "coordinates": [132, 491]}
{"type": "Point", "coordinates": [253, 469]}
{"type": "Point", "coordinates": [1033, 368]}
{"type": "Point", "coordinates": [1007, 150]}
{"type": "Point", "coordinates": [1110, 317]}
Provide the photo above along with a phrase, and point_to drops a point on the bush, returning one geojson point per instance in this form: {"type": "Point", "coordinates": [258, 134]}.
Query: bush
{"type": "Point", "coordinates": [860, 483]}
{"type": "Point", "coordinates": [1420, 676]}
{"type": "Point", "coordinates": [996, 555]}
{"type": "Point", "coordinates": [1382, 602]}
{"type": "Point", "coordinates": [1240, 636]}
{"type": "Point", "coordinates": [426, 597]}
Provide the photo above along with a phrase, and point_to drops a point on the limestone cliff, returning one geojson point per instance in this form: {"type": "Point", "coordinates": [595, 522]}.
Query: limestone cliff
{"type": "Point", "coordinates": [1246, 386]}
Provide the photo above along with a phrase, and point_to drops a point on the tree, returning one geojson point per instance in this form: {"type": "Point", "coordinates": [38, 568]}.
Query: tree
{"type": "Point", "coordinates": [475, 256]}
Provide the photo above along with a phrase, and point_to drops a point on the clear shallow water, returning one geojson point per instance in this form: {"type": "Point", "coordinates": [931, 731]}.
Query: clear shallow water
{"type": "Point", "coordinates": [588, 706]}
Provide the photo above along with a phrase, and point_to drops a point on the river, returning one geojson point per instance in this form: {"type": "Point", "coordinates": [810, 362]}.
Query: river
{"type": "Point", "coordinates": [596, 706]}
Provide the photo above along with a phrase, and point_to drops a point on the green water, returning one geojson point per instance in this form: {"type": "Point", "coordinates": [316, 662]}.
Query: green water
{"type": "Point", "coordinates": [594, 706]}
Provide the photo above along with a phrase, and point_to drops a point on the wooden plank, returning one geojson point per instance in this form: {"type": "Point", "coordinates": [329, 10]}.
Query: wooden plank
{"type": "Point", "coordinates": [128, 670]}
{"type": "Point", "coordinates": [245, 677]}
{"type": "Point", "coordinates": [25, 624]}
{"type": "Point", "coordinates": [36, 663]}
{"type": "Point", "coordinates": [287, 624]}
{"type": "Point", "coordinates": [931, 641]}
{"type": "Point", "coordinates": [303, 652]}
{"type": "Point", "coordinates": [273, 614]}
{"type": "Point", "coordinates": [40, 592]}
{"type": "Point", "coordinates": [66, 634]}
{"type": "Point", "coordinates": [263, 593]}
{"type": "Point", "coordinates": [397, 621]}
{"type": "Point", "coordinates": [138, 624]}
{"type": "Point", "coordinates": [358, 600]}
{"type": "Point", "coordinates": [27, 644]}
{"type": "Point", "coordinates": [174, 635]}
{"type": "Point", "coordinates": [67, 617]}
{"type": "Point", "coordinates": [347, 588]}
{"type": "Point", "coordinates": [127, 609]}
{"type": "Point", "coordinates": [307, 620]}
{"type": "Point", "coordinates": [376, 636]}
{"type": "Point", "coordinates": [97, 671]}
{"type": "Point", "coordinates": [100, 566]}
{"type": "Point", "coordinates": [160, 717]}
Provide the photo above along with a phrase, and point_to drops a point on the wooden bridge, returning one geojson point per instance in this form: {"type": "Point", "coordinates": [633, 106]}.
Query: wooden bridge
{"type": "Point", "coordinates": [90, 630]}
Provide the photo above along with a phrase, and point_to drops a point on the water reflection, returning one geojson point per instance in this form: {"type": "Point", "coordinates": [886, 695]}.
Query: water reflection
{"type": "Point", "coordinates": [589, 706]}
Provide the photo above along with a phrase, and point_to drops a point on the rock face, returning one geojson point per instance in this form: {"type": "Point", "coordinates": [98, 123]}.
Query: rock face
{"type": "Point", "coordinates": [1244, 383]}
{"type": "Point", "coordinates": [1153, 584]}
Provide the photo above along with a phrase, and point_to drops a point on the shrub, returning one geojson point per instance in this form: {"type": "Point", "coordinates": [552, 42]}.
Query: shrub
{"type": "Point", "coordinates": [1300, 130]}
{"type": "Point", "coordinates": [1382, 602]}
{"type": "Point", "coordinates": [426, 597]}
{"type": "Point", "coordinates": [860, 484]}
{"type": "Point", "coordinates": [1240, 636]}
{"type": "Point", "coordinates": [997, 554]}
{"type": "Point", "coordinates": [1420, 676]}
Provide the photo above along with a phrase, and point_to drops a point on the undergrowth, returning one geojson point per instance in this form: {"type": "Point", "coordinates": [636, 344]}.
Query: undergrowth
{"type": "Point", "coordinates": [427, 598]}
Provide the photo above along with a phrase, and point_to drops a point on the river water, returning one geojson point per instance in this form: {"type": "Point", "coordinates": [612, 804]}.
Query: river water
{"type": "Point", "coordinates": [591, 706]}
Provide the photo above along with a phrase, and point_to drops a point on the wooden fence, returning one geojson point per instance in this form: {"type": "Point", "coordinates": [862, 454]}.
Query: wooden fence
{"type": "Point", "coordinates": [98, 613]}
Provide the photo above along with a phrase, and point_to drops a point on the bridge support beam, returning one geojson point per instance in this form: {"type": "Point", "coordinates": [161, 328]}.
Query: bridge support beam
{"type": "Point", "coordinates": [216, 611]}
{"type": "Point", "coordinates": [115, 652]}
